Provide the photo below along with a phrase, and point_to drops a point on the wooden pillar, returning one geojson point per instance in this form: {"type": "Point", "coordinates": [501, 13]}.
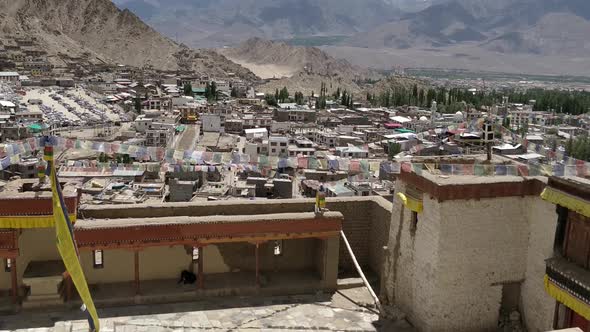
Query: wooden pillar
{"type": "Point", "coordinates": [200, 275]}
{"type": "Point", "coordinates": [256, 253]}
{"type": "Point", "coordinates": [136, 259]}
{"type": "Point", "coordinates": [14, 280]}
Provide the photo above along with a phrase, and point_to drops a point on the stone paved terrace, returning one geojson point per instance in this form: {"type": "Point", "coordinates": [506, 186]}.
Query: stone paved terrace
{"type": "Point", "coordinates": [343, 311]}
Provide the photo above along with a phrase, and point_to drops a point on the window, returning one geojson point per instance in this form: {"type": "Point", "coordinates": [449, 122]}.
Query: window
{"type": "Point", "coordinates": [273, 143]}
{"type": "Point", "coordinates": [414, 223]}
{"type": "Point", "coordinates": [195, 254]}
{"type": "Point", "coordinates": [278, 248]}
{"type": "Point", "coordinates": [7, 265]}
{"type": "Point", "coordinates": [283, 144]}
{"type": "Point", "coordinates": [97, 257]}
{"type": "Point", "coordinates": [273, 150]}
{"type": "Point", "coordinates": [562, 214]}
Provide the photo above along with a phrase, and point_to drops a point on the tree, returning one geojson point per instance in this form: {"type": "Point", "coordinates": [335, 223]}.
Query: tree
{"type": "Point", "coordinates": [137, 105]}
{"type": "Point", "coordinates": [234, 92]}
{"type": "Point", "coordinates": [208, 91]}
{"type": "Point", "coordinates": [569, 147]}
{"type": "Point", "coordinates": [299, 98]}
{"type": "Point", "coordinates": [393, 149]}
{"type": "Point", "coordinates": [270, 99]}
{"type": "Point", "coordinates": [283, 95]}
{"type": "Point", "coordinates": [213, 90]}
{"type": "Point", "coordinates": [126, 159]}
{"type": "Point", "coordinates": [188, 89]}
{"type": "Point", "coordinates": [580, 148]}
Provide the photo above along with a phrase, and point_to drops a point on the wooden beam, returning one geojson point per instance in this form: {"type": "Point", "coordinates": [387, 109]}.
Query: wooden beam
{"type": "Point", "coordinates": [200, 275]}
{"type": "Point", "coordinates": [136, 259]}
{"type": "Point", "coordinates": [256, 253]}
{"type": "Point", "coordinates": [214, 232]}
{"type": "Point", "coordinates": [204, 241]}
{"type": "Point", "coordinates": [14, 281]}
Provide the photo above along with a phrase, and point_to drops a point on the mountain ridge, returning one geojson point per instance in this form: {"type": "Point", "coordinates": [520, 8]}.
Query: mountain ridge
{"type": "Point", "coordinates": [105, 33]}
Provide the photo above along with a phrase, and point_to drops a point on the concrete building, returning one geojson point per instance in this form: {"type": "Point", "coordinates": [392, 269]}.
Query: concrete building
{"type": "Point", "coordinates": [159, 137]}
{"type": "Point", "coordinates": [463, 251]}
{"type": "Point", "coordinates": [181, 191]}
{"type": "Point", "coordinates": [278, 146]}
{"type": "Point", "coordinates": [9, 76]}
{"type": "Point", "coordinates": [254, 133]}
{"type": "Point", "coordinates": [352, 152]}
{"type": "Point", "coordinates": [170, 238]}
{"type": "Point", "coordinates": [295, 115]}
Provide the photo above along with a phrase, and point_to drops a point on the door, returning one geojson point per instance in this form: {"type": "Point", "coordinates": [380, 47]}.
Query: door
{"type": "Point", "coordinates": [579, 321]}
{"type": "Point", "coordinates": [578, 239]}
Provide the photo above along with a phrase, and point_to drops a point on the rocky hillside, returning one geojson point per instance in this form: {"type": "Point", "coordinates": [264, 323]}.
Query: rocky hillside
{"type": "Point", "coordinates": [298, 68]}
{"type": "Point", "coordinates": [545, 27]}
{"type": "Point", "coordinates": [99, 28]}
{"type": "Point", "coordinates": [208, 23]}
{"type": "Point", "coordinates": [255, 53]}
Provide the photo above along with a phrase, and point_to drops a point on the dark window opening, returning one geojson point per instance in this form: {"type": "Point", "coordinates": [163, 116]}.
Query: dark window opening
{"type": "Point", "coordinates": [560, 232]}
{"type": "Point", "coordinates": [98, 259]}
{"type": "Point", "coordinates": [414, 222]}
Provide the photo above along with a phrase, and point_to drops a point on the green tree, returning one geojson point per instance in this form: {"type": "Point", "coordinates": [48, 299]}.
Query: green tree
{"type": "Point", "coordinates": [270, 99]}
{"type": "Point", "coordinates": [137, 105]}
{"type": "Point", "coordinates": [234, 92]}
{"type": "Point", "coordinates": [299, 98]}
{"type": "Point", "coordinates": [213, 90]}
{"type": "Point", "coordinates": [393, 149]}
{"type": "Point", "coordinates": [126, 159]}
{"type": "Point", "coordinates": [188, 89]}
{"type": "Point", "coordinates": [283, 95]}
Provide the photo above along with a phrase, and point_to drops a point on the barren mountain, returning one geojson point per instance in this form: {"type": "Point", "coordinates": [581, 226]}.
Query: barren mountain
{"type": "Point", "coordinates": [100, 29]}
{"type": "Point", "coordinates": [298, 68]}
{"type": "Point", "coordinates": [546, 27]}
{"type": "Point", "coordinates": [207, 23]}
{"type": "Point", "coordinates": [256, 54]}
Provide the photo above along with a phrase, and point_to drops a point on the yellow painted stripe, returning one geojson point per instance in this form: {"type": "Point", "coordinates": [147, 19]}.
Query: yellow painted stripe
{"type": "Point", "coordinates": [567, 299]}
{"type": "Point", "coordinates": [30, 221]}
{"type": "Point", "coordinates": [571, 202]}
{"type": "Point", "coordinates": [411, 203]}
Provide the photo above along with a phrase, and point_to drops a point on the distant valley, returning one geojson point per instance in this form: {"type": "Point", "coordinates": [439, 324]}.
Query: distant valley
{"type": "Point", "coordinates": [519, 36]}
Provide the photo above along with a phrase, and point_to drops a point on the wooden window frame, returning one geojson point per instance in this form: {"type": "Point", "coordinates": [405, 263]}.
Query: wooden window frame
{"type": "Point", "coordinates": [7, 264]}
{"type": "Point", "coordinates": [94, 263]}
{"type": "Point", "coordinates": [194, 253]}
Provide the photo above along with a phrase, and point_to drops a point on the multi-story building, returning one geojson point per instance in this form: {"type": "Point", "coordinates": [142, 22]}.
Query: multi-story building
{"type": "Point", "coordinates": [278, 146]}
{"type": "Point", "coordinates": [9, 76]}
{"type": "Point", "coordinates": [295, 115]}
{"type": "Point", "coordinates": [465, 252]}
{"type": "Point", "coordinates": [567, 276]}
{"type": "Point", "coordinates": [159, 137]}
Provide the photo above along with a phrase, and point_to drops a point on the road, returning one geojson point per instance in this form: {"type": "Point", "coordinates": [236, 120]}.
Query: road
{"type": "Point", "coordinates": [188, 139]}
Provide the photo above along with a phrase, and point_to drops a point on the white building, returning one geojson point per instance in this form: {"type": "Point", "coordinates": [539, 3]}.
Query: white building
{"type": "Point", "coordinates": [278, 146]}
{"type": "Point", "coordinates": [254, 133]}
{"type": "Point", "coordinates": [9, 76]}
{"type": "Point", "coordinates": [142, 123]}
{"type": "Point", "coordinates": [352, 152]}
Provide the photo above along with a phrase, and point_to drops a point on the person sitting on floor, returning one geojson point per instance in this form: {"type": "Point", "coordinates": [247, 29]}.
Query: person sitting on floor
{"type": "Point", "coordinates": [187, 277]}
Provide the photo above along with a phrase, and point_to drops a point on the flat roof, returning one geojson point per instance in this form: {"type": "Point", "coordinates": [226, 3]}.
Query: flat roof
{"type": "Point", "coordinates": [6, 103]}
{"type": "Point", "coordinates": [187, 220]}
